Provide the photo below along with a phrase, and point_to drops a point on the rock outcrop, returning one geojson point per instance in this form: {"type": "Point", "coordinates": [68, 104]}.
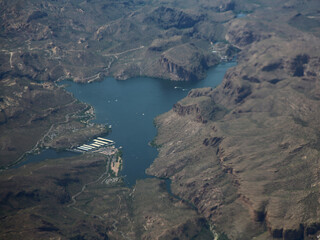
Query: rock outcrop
{"type": "Point", "coordinates": [186, 63]}
{"type": "Point", "coordinates": [82, 41]}
{"type": "Point", "coordinates": [258, 161]}
{"type": "Point", "coordinates": [166, 18]}
{"type": "Point", "coordinates": [35, 115]}
{"type": "Point", "coordinates": [245, 155]}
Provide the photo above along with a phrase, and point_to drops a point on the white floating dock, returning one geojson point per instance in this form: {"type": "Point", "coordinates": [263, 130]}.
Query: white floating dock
{"type": "Point", "coordinates": [88, 146]}
{"type": "Point", "coordinates": [106, 140]}
{"type": "Point", "coordinates": [95, 145]}
{"type": "Point", "coordinates": [99, 141]}
{"type": "Point", "coordinates": [84, 147]}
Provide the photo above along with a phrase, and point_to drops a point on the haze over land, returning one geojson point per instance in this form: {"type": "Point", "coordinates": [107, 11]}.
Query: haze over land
{"type": "Point", "coordinates": [243, 158]}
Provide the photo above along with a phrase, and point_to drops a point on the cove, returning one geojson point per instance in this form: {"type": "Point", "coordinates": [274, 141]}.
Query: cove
{"type": "Point", "coordinates": [130, 107]}
{"type": "Point", "coordinates": [43, 155]}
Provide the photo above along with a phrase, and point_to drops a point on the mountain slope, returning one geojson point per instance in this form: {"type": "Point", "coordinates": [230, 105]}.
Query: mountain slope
{"type": "Point", "coordinates": [247, 153]}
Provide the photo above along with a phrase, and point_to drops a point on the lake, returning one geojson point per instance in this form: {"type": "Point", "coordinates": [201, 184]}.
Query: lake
{"type": "Point", "coordinates": [130, 107]}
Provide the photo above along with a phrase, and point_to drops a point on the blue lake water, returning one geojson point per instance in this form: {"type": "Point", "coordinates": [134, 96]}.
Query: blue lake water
{"type": "Point", "coordinates": [131, 106]}
{"type": "Point", "coordinates": [45, 154]}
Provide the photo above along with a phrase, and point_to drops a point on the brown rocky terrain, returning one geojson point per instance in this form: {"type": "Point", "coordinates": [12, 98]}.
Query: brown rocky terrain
{"type": "Point", "coordinates": [35, 200]}
{"type": "Point", "coordinates": [68, 198]}
{"type": "Point", "coordinates": [247, 153]}
{"type": "Point", "coordinates": [87, 40]}
{"type": "Point", "coordinates": [35, 115]}
{"type": "Point", "coordinates": [45, 42]}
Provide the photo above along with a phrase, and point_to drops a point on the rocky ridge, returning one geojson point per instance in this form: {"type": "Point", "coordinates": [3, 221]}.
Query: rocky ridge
{"type": "Point", "coordinates": [86, 41]}
{"type": "Point", "coordinates": [244, 154]}
{"type": "Point", "coordinates": [40, 110]}
{"type": "Point", "coordinates": [253, 171]}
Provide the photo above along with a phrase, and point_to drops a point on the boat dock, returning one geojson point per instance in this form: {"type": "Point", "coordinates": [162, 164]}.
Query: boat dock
{"type": "Point", "coordinates": [101, 145]}
{"type": "Point", "coordinates": [106, 147]}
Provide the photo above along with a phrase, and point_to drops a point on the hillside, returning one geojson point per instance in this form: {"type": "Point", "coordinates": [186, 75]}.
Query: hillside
{"type": "Point", "coordinates": [246, 153]}
{"type": "Point", "coordinates": [242, 159]}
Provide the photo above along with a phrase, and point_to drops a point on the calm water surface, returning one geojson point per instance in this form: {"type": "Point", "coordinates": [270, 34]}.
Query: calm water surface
{"type": "Point", "coordinates": [131, 106]}
{"type": "Point", "coordinates": [45, 154]}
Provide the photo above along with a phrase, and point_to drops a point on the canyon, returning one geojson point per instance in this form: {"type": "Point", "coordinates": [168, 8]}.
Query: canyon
{"type": "Point", "coordinates": [242, 158]}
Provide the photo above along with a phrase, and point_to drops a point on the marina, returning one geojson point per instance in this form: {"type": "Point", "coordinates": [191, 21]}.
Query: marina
{"type": "Point", "coordinates": [99, 145]}
{"type": "Point", "coordinates": [130, 107]}
{"type": "Point", "coordinates": [106, 147]}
